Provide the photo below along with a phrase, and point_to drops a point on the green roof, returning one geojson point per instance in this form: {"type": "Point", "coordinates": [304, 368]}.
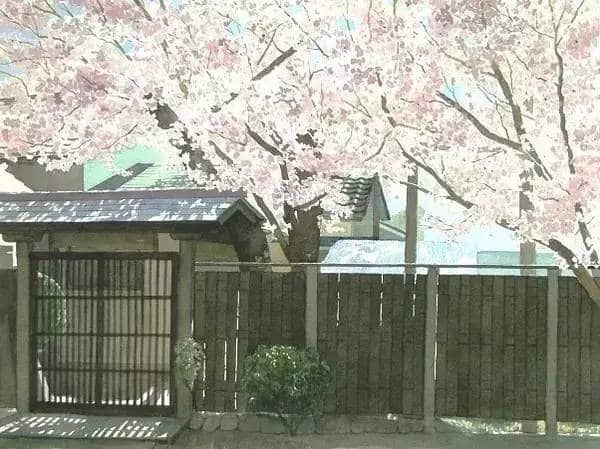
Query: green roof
{"type": "Point", "coordinates": [95, 172]}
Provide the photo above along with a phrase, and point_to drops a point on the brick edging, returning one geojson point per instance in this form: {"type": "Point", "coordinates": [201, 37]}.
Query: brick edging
{"type": "Point", "coordinates": [328, 424]}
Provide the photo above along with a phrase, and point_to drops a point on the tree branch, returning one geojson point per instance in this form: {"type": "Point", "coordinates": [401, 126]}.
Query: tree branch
{"type": "Point", "coordinates": [274, 64]}
{"type": "Point", "coordinates": [480, 127]}
{"type": "Point", "coordinates": [452, 195]}
{"type": "Point", "coordinates": [140, 5]}
{"type": "Point", "coordinates": [539, 167]}
{"type": "Point", "coordinates": [279, 235]}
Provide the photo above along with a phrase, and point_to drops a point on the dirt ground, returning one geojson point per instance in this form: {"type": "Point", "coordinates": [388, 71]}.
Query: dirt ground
{"type": "Point", "coordinates": [240, 440]}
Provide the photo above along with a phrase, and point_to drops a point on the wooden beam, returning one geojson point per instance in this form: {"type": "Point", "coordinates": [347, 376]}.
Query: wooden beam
{"type": "Point", "coordinates": [24, 387]}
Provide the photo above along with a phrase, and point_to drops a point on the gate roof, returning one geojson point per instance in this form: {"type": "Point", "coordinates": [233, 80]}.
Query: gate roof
{"type": "Point", "coordinates": [107, 209]}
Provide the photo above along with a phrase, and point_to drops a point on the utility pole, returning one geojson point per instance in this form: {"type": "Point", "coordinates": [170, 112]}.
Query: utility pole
{"type": "Point", "coordinates": [412, 200]}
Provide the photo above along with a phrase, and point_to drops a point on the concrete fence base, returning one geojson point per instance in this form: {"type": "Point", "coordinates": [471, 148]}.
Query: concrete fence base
{"type": "Point", "coordinates": [327, 424]}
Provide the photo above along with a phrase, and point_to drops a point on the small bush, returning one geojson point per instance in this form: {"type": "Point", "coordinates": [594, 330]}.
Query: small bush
{"type": "Point", "coordinates": [189, 360]}
{"type": "Point", "coordinates": [55, 310]}
{"type": "Point", "coordinates": [287, 381]}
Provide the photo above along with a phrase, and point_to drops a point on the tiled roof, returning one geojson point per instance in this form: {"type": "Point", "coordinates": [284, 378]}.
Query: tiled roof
{"type": "Point", "coordinates": [154, 206]}
{"type": "Point", "coordinates": [151, 176]}
{"type": "Point", "coordinates": [358, 191]}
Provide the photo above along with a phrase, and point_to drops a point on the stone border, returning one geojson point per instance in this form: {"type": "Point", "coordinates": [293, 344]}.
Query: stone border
{"type": "Point", "coordinates": [328, 424]}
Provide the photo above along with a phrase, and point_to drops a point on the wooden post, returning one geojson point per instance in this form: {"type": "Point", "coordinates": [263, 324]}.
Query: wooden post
{"type": "Point", "coordinates": [551, 352]}
{"type": "Point", "coordinates": [411, 225]}
{"type": "Point", "coordinates": [185, 301]}
{"type": "Point", "coordinates": [430, 335]}
{"type": "Point", "coordinates": [312, 275]}
{"type": "Point", "coordinates": [23, 326]}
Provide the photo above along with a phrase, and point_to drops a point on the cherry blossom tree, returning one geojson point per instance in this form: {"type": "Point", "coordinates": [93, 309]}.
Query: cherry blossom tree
{"type": "Point", "coordinates": [492, 100]}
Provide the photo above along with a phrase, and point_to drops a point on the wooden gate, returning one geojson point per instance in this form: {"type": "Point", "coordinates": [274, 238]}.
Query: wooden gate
{"type": "Point", "coordinates": [103, 332]}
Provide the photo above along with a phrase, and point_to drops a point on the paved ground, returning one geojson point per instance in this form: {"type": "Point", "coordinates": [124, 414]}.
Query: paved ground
{"type": "Point", "coordinates": [51, 425]}
{"type": "Point", "coordinates": [240, 440]}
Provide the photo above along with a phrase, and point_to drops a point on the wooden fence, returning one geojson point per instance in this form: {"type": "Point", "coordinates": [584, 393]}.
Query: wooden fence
{"type": "Point", "coordinates": [371, 330]}
{"type": "Point", "coordinates": [505, 347]}
{"type": "Point", "coordinates": [491, 347]}
{"type": "Point", "coordinates": [236, 312]}
{"type": "Point", "coordinates": [578, 354]}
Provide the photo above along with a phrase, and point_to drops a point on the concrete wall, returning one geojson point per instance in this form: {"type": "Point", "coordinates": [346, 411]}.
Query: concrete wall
{"type": "Point", "coordinates": [364, 228]}
{"type": "Point", "coordinates": [8, 345]}
{"type": "Point", "coordinates": [35, 176]}
{"type": "Point", "coordinates": [6, 256]}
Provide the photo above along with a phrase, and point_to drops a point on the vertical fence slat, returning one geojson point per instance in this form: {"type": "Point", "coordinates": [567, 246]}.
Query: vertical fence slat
{"type": "Point", "coordinates": [386, 343]}
{"type": "Point", "coordinates": [520, 349]}
{"type": "Point", "coordinates": [429, 365]}
{"type": "Point", "coordinates": [286, 311]}
{"type": "Point", "coordinates": [586, 357]}
{"type": "Point", "coordinates": [199, 330]}
{"type": "Point", "coordinates": [353, 335]}
{"type": "Point", "coordinates": [211, 349]}
{"type": "Point", "coordinates": [407, 343]}
{"type": "Point", "coordinates": [331, 342]}
{"type": "Point", "coordinates": [374, 342]}
{"type": "Point", "coordinates": [342, 346]}
{"type": "Point", "coordinates": [442, 346]}
{"type": "Point", "coordinates": [233, 282]}
{"type": "Point", "coordinates": [531, 351]}
{"type": "Point", "coordinates": [541, 340]}
{"type": "Point", "coordinates": [254, 310]}
{"type": "Point", "coordinates": [322, 285]}
{"type": "Point", "coordinates": [595, 364]}
{"type": "Point", "coordinates": [562, 362]}
{"type": "Point", "coordinates": [464, 380]}
{"type": "Point", "coordinates": [475, 345]}
{"type": "Point", "coordinates": [497, 406]}
{"type": "Point", "coordinates": [363, 343]}
{"type": "Point", "coordinates": [265, 307]}
{"type": "Point", "coordinates": [276, 309]}
{"type": "Point", "coordinates": [574, 357]}
{"type": "Point", "coordinates": [243, 333]}
{"type": "Point", "coordinates": [221, 319]}
{"type": "Point", "coordinates": [299, 308]}
{"type": "Point", "coordinates": [509, 347]}
{"type": "Point", "coordinates": [419, 344]}
{"type": "Point", "coordinates": [551, 351]}
{"type": "Point", "coordinates": [452, 348]}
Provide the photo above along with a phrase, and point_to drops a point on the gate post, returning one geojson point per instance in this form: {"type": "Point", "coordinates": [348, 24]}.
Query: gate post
{"type": "Point", "coordinates": [551, 352]}
{"type": "Point", "coordinates": [185, 301]}
{"type": "Point", "coordinates": [24, 389]}
{"type": "Point", "coordinates": [430, 336]}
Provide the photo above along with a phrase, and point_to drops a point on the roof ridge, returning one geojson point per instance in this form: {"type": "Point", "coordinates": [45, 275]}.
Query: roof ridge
{"type": "Point", "coordinates": [119, 194]}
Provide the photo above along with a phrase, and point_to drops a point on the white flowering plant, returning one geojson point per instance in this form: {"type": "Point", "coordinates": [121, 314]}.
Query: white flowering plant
{"type": "Point", "coordinates": [189, 359]}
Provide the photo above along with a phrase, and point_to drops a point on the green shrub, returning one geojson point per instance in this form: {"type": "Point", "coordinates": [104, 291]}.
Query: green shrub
{"type": "Point", "coordinates": [189, 360]}
{"type": "Point", "coordinates": [286, 381]}
{"type": "Point", "coordinates": [55, 309]}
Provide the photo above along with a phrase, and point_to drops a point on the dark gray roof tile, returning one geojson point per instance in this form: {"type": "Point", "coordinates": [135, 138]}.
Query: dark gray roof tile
{"type": "Point", "coordinates": [180, 206]}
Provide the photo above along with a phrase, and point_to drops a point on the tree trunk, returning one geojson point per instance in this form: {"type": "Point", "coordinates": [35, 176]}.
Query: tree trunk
{"type": "Point", "coordinates": [591, 285]}
{"type": "Point", "coordinates": [526, 249]}
{"type": "Point", "coordinates": [304, 234]}
{"type": "Point", "coordinates": [583, 274]}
